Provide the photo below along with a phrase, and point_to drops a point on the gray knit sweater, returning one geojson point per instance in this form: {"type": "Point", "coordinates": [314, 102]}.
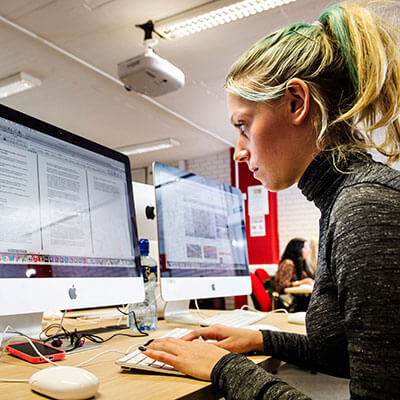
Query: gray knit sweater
{"type": "Point", "coordinates": [353, 323]}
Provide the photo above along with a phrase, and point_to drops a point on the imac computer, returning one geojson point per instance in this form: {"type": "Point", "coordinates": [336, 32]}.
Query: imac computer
{"type": "Point", "coordinates": [145, 209]}
{"type": "Point", "coordinates": [68, 234]}
{"type": "Point", "coordinates": [201, 238]}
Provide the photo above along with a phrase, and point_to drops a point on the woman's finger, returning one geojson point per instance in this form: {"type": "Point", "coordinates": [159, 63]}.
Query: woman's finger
{"type": "Point", "coordinates": [165, 358]}
{"type": "Point", "coordinates": [168, 345]}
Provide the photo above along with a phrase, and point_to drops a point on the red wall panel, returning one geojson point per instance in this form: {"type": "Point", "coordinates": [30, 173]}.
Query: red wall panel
{"type": "Point", "coordinates": [262, 249]}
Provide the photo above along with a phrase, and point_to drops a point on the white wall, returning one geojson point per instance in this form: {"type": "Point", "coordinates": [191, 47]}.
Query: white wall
{"type": "Point", "coordinates": [297, 217]}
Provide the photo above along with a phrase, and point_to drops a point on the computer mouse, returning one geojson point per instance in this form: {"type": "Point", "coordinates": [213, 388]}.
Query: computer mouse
{"type": "Point", "coordinates": [65, 383]}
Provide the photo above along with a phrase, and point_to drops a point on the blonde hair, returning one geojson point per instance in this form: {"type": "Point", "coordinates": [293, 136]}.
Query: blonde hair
{"type": "Point", "coordinates": [350, 61]}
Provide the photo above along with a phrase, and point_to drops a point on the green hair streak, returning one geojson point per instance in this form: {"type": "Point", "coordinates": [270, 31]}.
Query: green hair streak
{"type": "Point", "coordinates": [335, 15]}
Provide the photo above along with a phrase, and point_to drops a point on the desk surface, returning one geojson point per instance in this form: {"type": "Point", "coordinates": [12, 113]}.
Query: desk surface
{"type": "Point", "coordinates": [116, 383]}
{"type": "Point", "coordinates": [301, 289]}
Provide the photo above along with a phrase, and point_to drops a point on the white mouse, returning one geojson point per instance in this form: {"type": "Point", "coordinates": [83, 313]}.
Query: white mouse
{"type": "Point", "coordinates": [65, 383]}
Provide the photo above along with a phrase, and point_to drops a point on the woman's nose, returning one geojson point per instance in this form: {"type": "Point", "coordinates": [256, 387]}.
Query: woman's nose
{"type": "Point", "coordinates": [241, 155]}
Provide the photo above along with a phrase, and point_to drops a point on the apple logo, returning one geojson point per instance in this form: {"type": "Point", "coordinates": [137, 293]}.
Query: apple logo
{"type": "Point", "coordinates": [72, 292]}
{"type": "Point", "coordinates": [213, 287]}
{"type": "Point", "coordinates": [150, 212]}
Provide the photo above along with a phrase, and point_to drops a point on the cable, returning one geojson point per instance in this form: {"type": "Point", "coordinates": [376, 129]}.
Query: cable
{"type": "Point", "coordinates": [77, 339]}
{"type": "Point", "coordinates": [137, 326]}
{"type": "Point", "coordinates": [19, 334]}
{"type": "Point", "coordinates": [244, 307]}
{"type": "Point", "coordinates": [98, 355]}
{"type": "Point", "coordinates": [94, 338]}
{"type": "Point", "coordinates": [201, 314]}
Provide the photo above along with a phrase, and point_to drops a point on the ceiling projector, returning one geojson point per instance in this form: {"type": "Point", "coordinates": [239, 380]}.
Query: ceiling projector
{"type": "Point", "coordinates": [150, 74]}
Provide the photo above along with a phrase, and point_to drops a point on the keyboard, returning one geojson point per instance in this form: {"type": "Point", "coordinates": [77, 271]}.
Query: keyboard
{"type": "Point", "coordinates": [235, 318]}
{"type": "Point", "coordinates": [96, 314]}
{"type": "Point", "coordinates": [137, 360]}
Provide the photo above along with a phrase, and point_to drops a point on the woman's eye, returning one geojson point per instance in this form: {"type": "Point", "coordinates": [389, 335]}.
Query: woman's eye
{"type": "Point", "coordinates": [241, 128]}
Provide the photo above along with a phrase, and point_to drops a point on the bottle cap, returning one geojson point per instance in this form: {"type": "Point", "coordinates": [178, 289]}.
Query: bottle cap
{"type": "Point", "coordinates": [144, 247]}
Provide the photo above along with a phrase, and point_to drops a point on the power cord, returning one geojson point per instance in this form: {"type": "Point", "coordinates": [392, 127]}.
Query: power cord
{"type": "Point", "coordinates": [201, 314]}
{"type": "Point", "coordinates": [277, 310]}
{"type": "Point", "coordinates": [94, 338]}
{"type": "Point", "coordinates": [77, 339]}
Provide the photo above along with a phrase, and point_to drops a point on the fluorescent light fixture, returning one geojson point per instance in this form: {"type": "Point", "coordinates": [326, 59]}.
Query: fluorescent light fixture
{"type": "Point", "coordinates": [17, 83]}
{"type": "Point", "coordinates": [93, 4]}
{"type": "Point", "coordinates": [148, 146]}
{"type": "Point", "coordinates": [198, 19]}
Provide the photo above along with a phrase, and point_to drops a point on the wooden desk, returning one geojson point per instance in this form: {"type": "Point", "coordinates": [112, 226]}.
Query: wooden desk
{"type": "Point", "coordinates": [116, 383]}
{"type": "Point", "coordinates": [301, 289]}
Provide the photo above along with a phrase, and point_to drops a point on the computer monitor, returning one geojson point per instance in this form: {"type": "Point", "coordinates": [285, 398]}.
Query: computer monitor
{"type": "Point", "coordinates": [68, 236]}
{"type": "Point", "coordinates": [202, 240]}
{"type": "Point", "coordinates": [145, 209]}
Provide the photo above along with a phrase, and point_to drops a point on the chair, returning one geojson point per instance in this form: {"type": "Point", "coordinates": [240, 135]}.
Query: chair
{"type": "Point", "coordinates": [269, 285]}
{"type": "Point", "coordinates": [260, 297]}
{"type": "Point", "coordinates": [262, 274]}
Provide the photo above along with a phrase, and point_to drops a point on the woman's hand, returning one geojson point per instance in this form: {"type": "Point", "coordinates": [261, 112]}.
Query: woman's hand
{"type": "Point", "coordinates": [196, 358]}
{"type": "Point", "coordinates": [236, 340]}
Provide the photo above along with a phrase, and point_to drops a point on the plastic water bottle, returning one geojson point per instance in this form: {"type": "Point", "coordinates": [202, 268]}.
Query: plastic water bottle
{"type": "Point", "coordinates": [145, 312]}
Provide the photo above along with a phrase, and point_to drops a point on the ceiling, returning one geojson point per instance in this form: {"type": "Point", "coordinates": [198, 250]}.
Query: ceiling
{"type": "Point", "coordinates": [83, 101]}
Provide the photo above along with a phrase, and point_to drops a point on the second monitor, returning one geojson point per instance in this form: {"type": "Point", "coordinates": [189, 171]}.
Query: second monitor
{"type": "Point", "coordinates": [202, 240]}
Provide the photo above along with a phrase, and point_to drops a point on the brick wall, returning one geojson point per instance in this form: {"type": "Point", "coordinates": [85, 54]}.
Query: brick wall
{"type": "Point", "coordinates": [215, 166]}
{"type": "Point", "coordinates": [297, 217]}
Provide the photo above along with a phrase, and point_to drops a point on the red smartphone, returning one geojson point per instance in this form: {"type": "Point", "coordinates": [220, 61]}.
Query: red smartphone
{"type": "Point", "coordinates": [25, 351]}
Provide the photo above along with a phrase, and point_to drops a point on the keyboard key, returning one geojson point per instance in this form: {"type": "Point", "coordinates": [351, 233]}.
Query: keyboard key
{"type": "Point", "coordinates": [235, 318]}
{"type": "Point", "coordinates": [138, 360]}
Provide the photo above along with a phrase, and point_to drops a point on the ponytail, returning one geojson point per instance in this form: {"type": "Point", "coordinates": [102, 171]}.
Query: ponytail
{"type": "Point", "coordinates": [370, 47]}
{"type": "Point", "coordinates": [350, 59]}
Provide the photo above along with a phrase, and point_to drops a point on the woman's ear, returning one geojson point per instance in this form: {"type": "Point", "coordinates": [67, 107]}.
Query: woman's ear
{"type": "Point", "coordinates": [298, 97]}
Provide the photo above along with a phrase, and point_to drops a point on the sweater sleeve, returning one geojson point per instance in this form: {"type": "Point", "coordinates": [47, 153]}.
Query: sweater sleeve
{"type": "Point", "coordinates": [240, 379]}
{"type": "Point", "coordinates": [365, 262]}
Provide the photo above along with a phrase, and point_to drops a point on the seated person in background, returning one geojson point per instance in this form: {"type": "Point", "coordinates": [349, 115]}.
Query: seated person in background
{"type": "Point", "coordinates": [292, 272]}
{"type": "Point", "coordinates": [292, 268]}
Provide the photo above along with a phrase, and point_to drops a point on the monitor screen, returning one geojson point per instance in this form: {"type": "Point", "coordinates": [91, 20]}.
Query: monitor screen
{"type": "Point", "coordinates": [201, 234]}
{"type": "Point", "coordinates": [68, 234]}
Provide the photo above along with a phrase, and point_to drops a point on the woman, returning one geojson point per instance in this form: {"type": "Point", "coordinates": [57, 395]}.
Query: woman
{"type": "Point", "coordinates": [299, 98]}
{"type": "Point", "coordinates": [292, 268]}
{"type": "Point", "coordinates": [292, 271]}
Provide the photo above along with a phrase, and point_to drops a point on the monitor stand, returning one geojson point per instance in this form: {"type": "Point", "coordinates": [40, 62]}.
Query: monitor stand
{"type": "Point", "coordinates": [27, 324]}
{"type": "Point", "coordinates": [178, 311]}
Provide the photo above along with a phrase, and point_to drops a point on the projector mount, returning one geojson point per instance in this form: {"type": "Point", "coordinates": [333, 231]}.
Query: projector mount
{"type": "Point", "coordinates": [149, 42]}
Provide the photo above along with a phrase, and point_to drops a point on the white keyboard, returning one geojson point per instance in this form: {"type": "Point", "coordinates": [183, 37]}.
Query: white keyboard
{"type": "Point", "coordinates": [137, 360]}
{"type": "Point", "coordinates": [235, 318]}
{"type": "Point", "coordinates": [98, 314]}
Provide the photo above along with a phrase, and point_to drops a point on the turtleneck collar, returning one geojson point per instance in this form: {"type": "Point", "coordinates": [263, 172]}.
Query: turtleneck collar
{"type": "Point", "coordinates": [321, 179]}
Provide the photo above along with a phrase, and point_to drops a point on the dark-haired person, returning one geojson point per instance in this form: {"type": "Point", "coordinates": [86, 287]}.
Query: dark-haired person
{"type": "Point", "coordinates": [292, 269]}
{"type": "Point", "coordinates": [305, 101]}
{"type": "Point", "coordinates": [292, 272]}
